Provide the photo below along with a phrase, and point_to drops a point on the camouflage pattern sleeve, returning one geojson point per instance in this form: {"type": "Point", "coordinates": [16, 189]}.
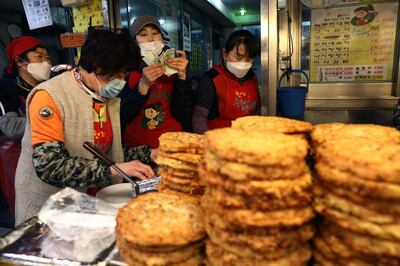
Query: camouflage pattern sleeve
{"type": "Point", "coordinates": [55, 166]}
{"type": "Point", "coordinates": [140, 153]}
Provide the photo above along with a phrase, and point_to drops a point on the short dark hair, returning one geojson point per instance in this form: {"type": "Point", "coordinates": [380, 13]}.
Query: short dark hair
{"type": "Point", "coordinates": [245, 37]}
{"type": "Point", "coordinates": [109, 52]}
{"type": "Point", "coordinates": [24, 57]}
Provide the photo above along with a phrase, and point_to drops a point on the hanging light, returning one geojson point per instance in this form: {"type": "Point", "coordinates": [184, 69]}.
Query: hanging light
{"type": "Point", "coordinates": [242, 11]}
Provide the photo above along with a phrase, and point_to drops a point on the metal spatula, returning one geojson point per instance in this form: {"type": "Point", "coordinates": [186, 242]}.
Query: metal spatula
{"type": "Point", "coordinates": [138, 186]}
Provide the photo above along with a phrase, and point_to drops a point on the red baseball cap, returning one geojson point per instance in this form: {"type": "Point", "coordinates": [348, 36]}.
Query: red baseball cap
{"type": "Point", "coordinates": [17, 47]}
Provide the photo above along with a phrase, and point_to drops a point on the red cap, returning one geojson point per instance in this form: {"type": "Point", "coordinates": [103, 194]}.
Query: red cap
{"type": "Point", "coordinates": [17, 47]}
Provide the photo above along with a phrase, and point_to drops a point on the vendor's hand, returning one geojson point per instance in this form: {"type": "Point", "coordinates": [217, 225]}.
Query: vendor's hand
{"type": "Point", "coordinates": [153, 155]}
{"type": "Point", "coordinates": [134, 168]}
{"type": "Point", "coordinates": [150, 75]}
{"type": "Point", "coordinates": [180, 64]}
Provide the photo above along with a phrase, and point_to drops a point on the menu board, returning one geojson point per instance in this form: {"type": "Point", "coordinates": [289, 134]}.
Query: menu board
{"type": "Point", "coordinates": [353, 43]}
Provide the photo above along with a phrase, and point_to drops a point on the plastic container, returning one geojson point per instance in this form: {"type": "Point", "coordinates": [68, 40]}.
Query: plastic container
{"type": "Point", "coordinates": [291, 100]}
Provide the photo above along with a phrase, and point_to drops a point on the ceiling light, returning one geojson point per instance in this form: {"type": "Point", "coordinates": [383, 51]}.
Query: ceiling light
{"type": "Point", "coordinates": [242, 11]}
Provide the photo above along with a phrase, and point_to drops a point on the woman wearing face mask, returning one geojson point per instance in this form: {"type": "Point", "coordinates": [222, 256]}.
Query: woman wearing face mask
{"type": "Point", "coordinates": [229, 90]}
{"type": "Point", "coordinates": [150, 86]}
{"type": "Point", "coordinates": [76, 106]}
{"type": "Point", "coordinates": [28, 65]}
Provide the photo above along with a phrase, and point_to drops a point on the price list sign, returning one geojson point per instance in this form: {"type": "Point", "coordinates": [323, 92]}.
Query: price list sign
{"type": "Point", "coordinates": [353, 43]}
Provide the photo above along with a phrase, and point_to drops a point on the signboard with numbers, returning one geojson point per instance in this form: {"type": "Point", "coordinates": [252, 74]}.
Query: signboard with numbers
{"type": "Point", "coordinates": [353, 43]}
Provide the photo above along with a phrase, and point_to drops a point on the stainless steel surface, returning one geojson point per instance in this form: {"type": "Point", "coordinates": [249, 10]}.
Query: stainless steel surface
{"type": "Point", "coordinates": [264, 56]}
{"type": "Point", "coordinates": [349, 90]}
{"type": "Point", "coordinates": [384, 103]}
{"type": "Point", "coordinates": [380, 117]}
{"type": "Point", "coordinates": [269, 59]}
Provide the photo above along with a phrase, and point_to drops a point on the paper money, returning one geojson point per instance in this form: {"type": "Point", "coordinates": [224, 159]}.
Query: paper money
{"type": "Point", "coordinates": [151, 59]}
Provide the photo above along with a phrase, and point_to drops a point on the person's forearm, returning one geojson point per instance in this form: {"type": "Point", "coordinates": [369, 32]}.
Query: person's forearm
{"type": "Point", "coordinates": [199, 119]}
{"type": "Point", "coordinates": [54, 165]}
{"type": "Point", "coordinates": [140, 153]}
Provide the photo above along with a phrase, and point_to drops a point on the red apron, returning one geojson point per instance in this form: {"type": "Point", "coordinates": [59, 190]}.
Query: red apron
{"type": "Point", "coordinates": [234, 99]}
{"type": "Point", "coordinates": [156, 117]}
{"type": "Point", "coordinates": [103, 135]}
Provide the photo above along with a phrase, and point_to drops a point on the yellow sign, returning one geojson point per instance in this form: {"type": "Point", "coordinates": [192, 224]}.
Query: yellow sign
{"type": "Point", "coordinates": [354, 43]}
{"type": "Point", "coordinates": [82, 16]}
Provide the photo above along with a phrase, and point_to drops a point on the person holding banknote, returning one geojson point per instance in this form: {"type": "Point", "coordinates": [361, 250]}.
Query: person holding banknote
{"type": "Point", "coordinates": [162, 86]}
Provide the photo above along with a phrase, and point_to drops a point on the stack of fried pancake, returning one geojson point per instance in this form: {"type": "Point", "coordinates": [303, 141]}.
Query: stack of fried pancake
{"type": "Point", "coordinates": [178, 158]}
{"type": "Point", "coordinates": [357, 192]}
{"type": "Point", "coordinates": [274, 124]}
{"type": "Point", "coordinates": [158, 229]}
{"type": "Point", "coordinates": [258, 198]}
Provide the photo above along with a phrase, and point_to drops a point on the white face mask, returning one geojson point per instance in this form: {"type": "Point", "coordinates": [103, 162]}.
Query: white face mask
{"type": "Point", "coordinates": [239, 69]}
{"type": "Point", "coordinates": [40, 71]}
{"type": "Point", "coordinates": [151, 47]}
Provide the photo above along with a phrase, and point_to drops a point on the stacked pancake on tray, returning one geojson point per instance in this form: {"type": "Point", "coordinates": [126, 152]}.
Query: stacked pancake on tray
{"type": "Point", "coordinates": [274, 124]}
{"type": "Point", "coordinates": [357, 192]}
{"type": "Point", "coordinates": [158, 229]}
{"type": "Point", "coordinates": [258, 198]}
{"type": "Point", "coordinates": [178, 157]}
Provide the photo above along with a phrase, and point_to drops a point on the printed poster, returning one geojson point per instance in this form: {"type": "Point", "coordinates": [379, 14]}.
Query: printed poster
{"type": "Point", "coordinates": [330, 3]}
{"type": "Point", "coordinates": [355, 43]}
{"type": "Point", "coordinates": [37, 13]}
{"type": "Point", "coordinates": [82, 16]}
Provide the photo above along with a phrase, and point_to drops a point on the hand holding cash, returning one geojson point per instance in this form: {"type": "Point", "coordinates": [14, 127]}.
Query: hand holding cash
{"type": "Point", "coordinates": [151, 59]}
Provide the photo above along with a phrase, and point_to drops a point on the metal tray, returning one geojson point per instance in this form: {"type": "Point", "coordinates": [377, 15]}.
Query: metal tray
{"type": "Point", "coordinates": [22, 246]}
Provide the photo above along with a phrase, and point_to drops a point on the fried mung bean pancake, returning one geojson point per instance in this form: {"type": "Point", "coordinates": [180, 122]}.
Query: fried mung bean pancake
{"type": "Point", "coordinates": [181, 142]}
{"type": "Point", "coordinates": [338, 131]}
{"type": "Point", "coordinates": [357, 185]}
{"type": "Point", "coordinates": [242, 172]}
{"type": "Point", "coordinates": [219, 256]}
{"type": "Point", "coordinates": [255, 148]}
{"type": "Point", "coordinates": [369, 160]}
{"type": "Point", "coordinates": [159, 219]}
{"type": "Point", "coordinates": [272, 123]}
{"type": "Point", "coordinates": [245, 217]}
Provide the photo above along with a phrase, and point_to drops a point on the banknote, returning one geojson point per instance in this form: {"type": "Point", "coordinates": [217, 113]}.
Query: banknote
{"type": "Point", "coordinates": [151, 59]}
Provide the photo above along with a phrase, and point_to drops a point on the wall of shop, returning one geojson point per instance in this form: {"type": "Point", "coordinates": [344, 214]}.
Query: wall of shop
{"type": "Point", "coordinates": [369, 90]}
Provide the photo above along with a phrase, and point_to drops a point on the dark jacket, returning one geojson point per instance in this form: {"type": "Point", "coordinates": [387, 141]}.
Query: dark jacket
{"type": "Point", "coordinates": [12, 98]}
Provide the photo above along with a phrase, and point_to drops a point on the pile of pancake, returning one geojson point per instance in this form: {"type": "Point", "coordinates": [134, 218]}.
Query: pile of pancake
{"type": "Point", "coordinates": [158, 229]}
{"type": "Point", "coordinates": [267, 124]}
{"type": "Point", "coordinates": [178, 157]}
{"type": "Point", "coordinates": [257, 202]}
{"type": "Point", "coordinates": [357, 193]}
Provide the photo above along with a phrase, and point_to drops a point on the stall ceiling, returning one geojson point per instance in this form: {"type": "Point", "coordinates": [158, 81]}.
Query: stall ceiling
{"type": "Point", "coordinates": [239, 11]}
{"type": "Point", "coordinates": [252, 7]}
